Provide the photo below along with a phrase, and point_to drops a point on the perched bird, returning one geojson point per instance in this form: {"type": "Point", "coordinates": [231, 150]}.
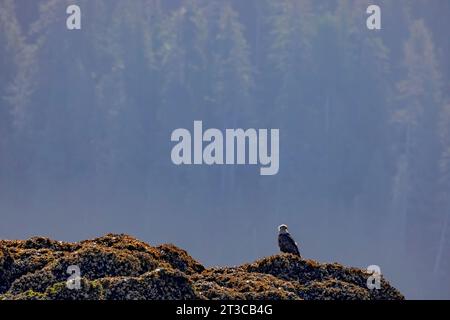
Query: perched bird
{"type": "Point", "coordinates": [286, 242]}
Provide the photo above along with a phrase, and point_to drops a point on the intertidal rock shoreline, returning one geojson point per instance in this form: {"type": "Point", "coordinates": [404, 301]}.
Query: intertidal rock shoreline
{"type": "Point", "coordinates": [120, 267]}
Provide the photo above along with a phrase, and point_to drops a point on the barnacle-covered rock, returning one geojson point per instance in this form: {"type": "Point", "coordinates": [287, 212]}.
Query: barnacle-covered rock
{"type": "Point", "coordinates": [235, 283]}
{"type": "Point", "coordinates": [210, 290]}
{"type": "Point", "coordinates": [288, 267]}
{"type": "Point", "coordinates": [120, 267]}
{"type": "Point", "coordinates": [26, 295]}
{"type": "Point", "coordinates": [323, 280]}
{"type": "Point", "coordinates": [37, 281]}
{"type": "Point", "coordinates": [89, 290]}
{"type": "Point", "coordinates": [167, 284]}
{"type": "Point", "coordinates": [333, 290]}
{"type": "Point", "coordinates": [159, 284]}
{"type": "Point", "coordinates": [99, 262]}
{"type": "Point", "coordinates": [46, 243]}
{"type": "Point", "coordinates": [26, 257]}
{"type": "Point", "coordinates": [179, 259]}
{"type": "Point", "coordinates": [122, 288]}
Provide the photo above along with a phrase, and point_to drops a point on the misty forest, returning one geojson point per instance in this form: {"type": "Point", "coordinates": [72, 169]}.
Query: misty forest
{"type": "Point", "coordinates": [364, 118]}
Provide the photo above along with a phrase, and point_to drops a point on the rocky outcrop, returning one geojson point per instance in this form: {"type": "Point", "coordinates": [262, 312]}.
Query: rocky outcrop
{"type": "Point", "coordinates": [120, 267]}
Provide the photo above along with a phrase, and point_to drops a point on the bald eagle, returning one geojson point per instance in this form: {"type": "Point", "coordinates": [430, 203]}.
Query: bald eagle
{"type": "Point", "coordinates": [286, 242]}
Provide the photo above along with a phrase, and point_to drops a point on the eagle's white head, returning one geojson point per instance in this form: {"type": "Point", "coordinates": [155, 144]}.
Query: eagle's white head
{"type": "Point", "coordinates": [283, 228]}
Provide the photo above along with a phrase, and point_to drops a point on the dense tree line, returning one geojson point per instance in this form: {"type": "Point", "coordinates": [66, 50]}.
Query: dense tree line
{"type": "Point", "coordinates": [364, 116]}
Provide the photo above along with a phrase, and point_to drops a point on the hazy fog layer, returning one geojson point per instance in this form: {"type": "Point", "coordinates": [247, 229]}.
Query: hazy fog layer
{"type": "Point", "coordinates": [364, 117]}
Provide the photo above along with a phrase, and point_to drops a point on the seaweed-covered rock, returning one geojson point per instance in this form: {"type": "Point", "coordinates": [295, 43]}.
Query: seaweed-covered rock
{"type": "Point", "coordinates": [179, 259]}
{"type": "Point", "coordinates": [89, 290]}
{"type": "Point", "coordinates": [235, 283]}
{"type": "Point", "coordinates": [99, 262]}
{"type": "Point", "coordinates": [333, 290]}
{"type": "Point", "coordinates": [120, 267]}
{"type": "Point", "coordinates": [26, 295]}
{"type": "Point", "coordinates": [20, 258]}
{"type": "Point", "coordinates": [323, 280]}
{"type": "Point", "coordinates": [37, 281]}
{"type": "Point", "coordinates": [210, 290]}
{"type": "Point", "coordinates": [159, 284]}
{"type": "Point", "coordinates": [46, 243]}
{"type": "Point", "coordinates": [167, 284]}
{"type": "Point", "coordinates": [288, 267]}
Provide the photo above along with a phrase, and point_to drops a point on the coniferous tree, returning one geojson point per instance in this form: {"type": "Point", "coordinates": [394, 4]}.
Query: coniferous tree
{"type": "Point", "coordinates": [18, 65]}
{"type": "Point", "coordinates": [417, 114]}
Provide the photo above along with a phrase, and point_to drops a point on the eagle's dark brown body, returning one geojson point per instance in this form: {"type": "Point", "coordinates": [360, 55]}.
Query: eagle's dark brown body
{"type": "Point", "coordinates": [287, 243]}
